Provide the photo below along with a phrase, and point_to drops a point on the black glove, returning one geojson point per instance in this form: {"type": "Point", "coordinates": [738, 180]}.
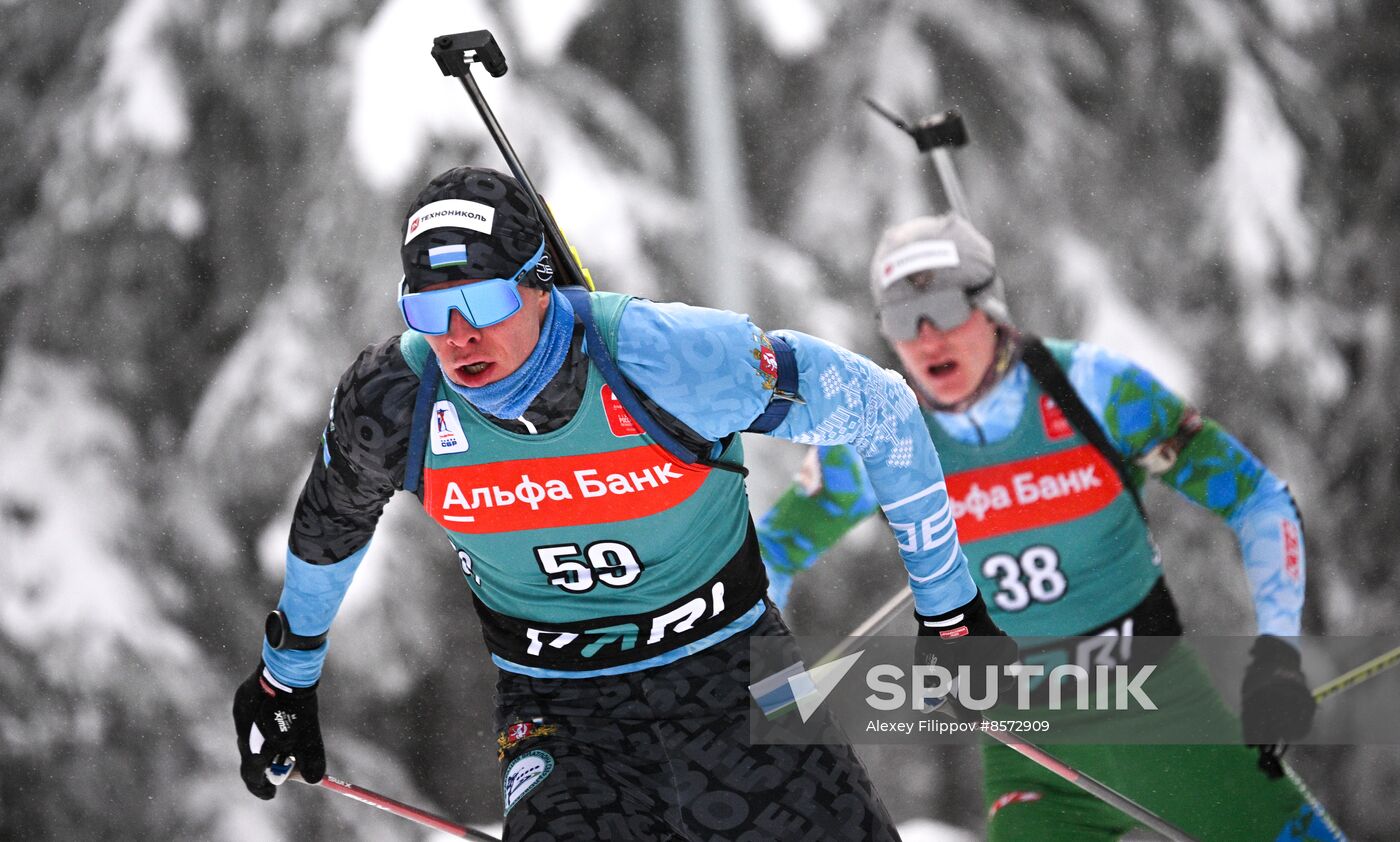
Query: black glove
{"type": "Point", "coordinates": [1276, 705]}
{"type": "Point", "coordinates": [968, 636]}
{"type": "Point", "coordinates": [274, 723]}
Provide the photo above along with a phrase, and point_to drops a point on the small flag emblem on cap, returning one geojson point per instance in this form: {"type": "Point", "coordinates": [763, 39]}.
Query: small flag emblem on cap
{"type": "Point", "coordinates": [440, 256]}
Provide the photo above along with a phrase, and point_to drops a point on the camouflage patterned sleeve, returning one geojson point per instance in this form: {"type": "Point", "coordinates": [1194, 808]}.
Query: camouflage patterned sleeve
{"type": "Point", "coordinates": [1164, 436]}
{"type": "Point", "coordinates": [358, 468]}
{"type": "Point", "coordinates": [1158, 432]}
{"type": "Point", "coordinates": [1216, 471]}
{"type": "Point", "coordinates": [829, 498]}
{"type": "Point", "coordinates": [361, 459]}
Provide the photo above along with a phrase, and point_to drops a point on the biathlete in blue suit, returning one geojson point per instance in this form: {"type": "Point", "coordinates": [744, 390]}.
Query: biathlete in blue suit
{"type": "Point", "coordinates": [617, 582]}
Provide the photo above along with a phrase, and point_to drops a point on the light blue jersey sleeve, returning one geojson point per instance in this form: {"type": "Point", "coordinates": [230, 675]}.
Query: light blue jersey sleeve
{"type": "Point", "coordinates": [1213, 470]}
{"type": "Point", "coordinates": [703, 366]}
{"type": "Point", "coordinates": [708, 369]}
{"type": "Point", "coordinates": [311, 596]}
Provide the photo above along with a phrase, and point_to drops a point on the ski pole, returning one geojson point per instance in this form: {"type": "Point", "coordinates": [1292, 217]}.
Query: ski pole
{"type": "Point", "coordinates": [455, 54]}
{"type": "Point", "coordinates": [899, 602]}
{"type": "Point", "coordinates": [874, 624]}
{"type": "Point", "coordinates": [1353, 677]}
{"type": "Point", "coordinates": [1098, 789]}
{"type": "Point", "coordinates": [1271, 756]}
{"type": "Point", "coordinates": [398, 808]}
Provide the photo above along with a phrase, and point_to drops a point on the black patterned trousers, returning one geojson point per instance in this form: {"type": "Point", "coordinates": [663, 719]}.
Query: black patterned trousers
{"type": "Point", "coordinates": [664, 754]}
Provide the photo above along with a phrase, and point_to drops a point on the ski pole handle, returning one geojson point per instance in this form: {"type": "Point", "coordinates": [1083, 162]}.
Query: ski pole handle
{"type": "Point", "coordinates": [280, 769]}
{"type": "Point", "coordinates": [1271, 756]}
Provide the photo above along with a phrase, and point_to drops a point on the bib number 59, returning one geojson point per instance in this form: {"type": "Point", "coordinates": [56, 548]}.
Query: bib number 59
{"type": "Point", "coordinates": [611, 563]}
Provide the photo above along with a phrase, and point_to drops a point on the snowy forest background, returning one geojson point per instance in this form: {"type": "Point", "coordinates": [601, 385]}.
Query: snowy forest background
{"type": "Point", "coordinates": [198, 232]}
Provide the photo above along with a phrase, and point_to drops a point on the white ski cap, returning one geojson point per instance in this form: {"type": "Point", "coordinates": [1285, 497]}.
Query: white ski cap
{"type": "Point", "coordinates": [936, 268]}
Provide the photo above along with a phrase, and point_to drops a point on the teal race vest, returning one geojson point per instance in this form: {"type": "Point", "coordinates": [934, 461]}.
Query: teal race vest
{"type": "Point", "coordinates": [1054, 539]}
{"type": "Point", "coordinates": [590, 546]}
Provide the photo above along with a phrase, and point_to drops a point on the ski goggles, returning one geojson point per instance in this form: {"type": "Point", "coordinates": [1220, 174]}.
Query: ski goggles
{"type": "Point", "coordinates": [481, 303]}
{"type": "Point", "coordinates": [904, 306]}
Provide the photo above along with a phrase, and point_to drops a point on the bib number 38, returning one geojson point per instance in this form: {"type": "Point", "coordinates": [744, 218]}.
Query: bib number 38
{"type": "Point", "coordinates": [611, 563]}
{"type": "Point", "coordinates": [1033, 576]}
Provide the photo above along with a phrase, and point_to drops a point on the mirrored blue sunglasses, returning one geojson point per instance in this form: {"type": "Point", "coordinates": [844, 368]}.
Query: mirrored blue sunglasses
{"type": "Point", "coordinates": [481, 303]}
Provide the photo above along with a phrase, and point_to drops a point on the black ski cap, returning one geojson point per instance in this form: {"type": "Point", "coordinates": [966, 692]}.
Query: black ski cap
{"type": "Point", "coordinates": [471, 224]}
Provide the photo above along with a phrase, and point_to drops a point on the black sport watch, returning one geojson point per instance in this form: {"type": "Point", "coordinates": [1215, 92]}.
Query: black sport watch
{"type": "Point", "coordinates": [280, 635]}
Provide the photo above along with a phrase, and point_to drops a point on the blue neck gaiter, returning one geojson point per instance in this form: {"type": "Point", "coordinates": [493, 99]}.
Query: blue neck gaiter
{"type": "Point", "coordinates": [512, 394]}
